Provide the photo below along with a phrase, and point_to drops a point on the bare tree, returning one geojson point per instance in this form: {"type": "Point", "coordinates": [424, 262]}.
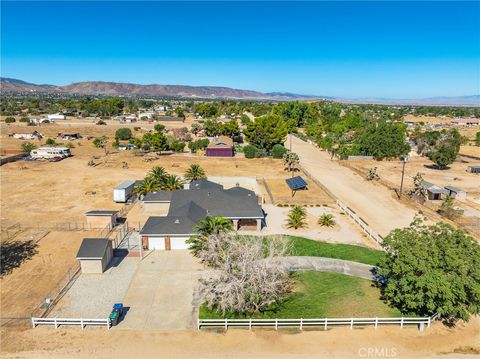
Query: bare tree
{"type": "Point", "coordinates": [247, 273]}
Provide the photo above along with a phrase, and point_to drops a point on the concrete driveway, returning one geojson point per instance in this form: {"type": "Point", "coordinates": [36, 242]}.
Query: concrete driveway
{"type": "Point", "coordinates": [160, 296]}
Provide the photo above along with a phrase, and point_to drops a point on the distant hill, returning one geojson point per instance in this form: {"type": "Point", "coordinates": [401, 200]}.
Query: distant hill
{"type": "Point", "coordinates": [14, 86]}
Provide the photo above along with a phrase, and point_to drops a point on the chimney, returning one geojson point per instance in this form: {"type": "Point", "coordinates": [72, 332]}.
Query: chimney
{"type": "Point", "coordinates": [186, 186]}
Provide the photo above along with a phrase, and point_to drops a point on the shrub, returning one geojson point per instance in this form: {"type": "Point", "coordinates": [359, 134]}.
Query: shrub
{"type": "Point", "coordinates": [24, 119]}
{"type": "Point", "coordinates": [28, 146]}
{"type": "Point", "coordinates": [136, 128]}
{"type": "Point", "coordinates": [326, 220]}
{"type": "Point", "coordinates": [10, 120]}
{"type": "Point", "coordinates": [50, 142]}
{"type": "Point", "coordinates": [123, 134]}
{"type": "Point", "coordinates": [278, 151]}
{"type": "Point", "coordinates": [250, 151]}
{"type": "Point", "coordinates": [101, 122]}
{"type": "Point", "coordinates": [177, 146]}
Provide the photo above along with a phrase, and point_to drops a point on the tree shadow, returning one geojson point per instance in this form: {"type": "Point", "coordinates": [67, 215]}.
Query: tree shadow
{"type": "Point", "coordinates": [13, 254]}
{"type": "Point", "coordinates": [437, 167]}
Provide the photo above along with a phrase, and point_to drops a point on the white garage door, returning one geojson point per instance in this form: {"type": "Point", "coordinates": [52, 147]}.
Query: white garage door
{"type": "Point", "coordinates": [178, 242]}
{"type": "Point", "coordinates": [156, 243]}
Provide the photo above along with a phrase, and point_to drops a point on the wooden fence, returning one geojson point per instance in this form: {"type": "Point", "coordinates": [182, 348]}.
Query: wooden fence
{"type": "Point", "coordinates": [324, 323]}
{"type": "Point", "coordinates": [71, 321]}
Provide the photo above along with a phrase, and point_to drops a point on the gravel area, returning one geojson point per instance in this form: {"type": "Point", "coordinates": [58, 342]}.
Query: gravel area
{"type": "Point", "coordinates": [93, 295]}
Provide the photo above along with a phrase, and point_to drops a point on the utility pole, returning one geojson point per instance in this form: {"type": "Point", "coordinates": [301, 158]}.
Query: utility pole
{"type": "Point", "coordinates": [404, 160]}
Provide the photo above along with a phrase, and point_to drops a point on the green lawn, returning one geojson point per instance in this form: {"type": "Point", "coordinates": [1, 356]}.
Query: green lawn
{"type": "Point", "coordinates": [323, 294]}
{"type": "Point", "coordinates": [307, 247]}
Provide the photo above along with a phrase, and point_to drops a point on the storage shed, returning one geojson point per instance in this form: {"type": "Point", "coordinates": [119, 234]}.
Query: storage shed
{"type": "Point", "coordinates": [473, 169]}
{"type": "Point", "coordinates": [456, 193]}
{"type": "Point", "coordinates": [101, 219]}
{"type": "Point", "coordinates": [94, 255]}
{"type": "Point", "coordinates": [220, 147]}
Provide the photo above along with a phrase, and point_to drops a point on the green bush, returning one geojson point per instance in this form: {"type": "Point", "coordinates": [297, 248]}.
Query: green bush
{"type": "Point", "coordinates": [123, 134]}
{"type": "Point", "coordinates": [250, 151]}
{"type": "Point", "coordinates": [101, 122]}
{"type": "Point", "coordinates": [10, 120]}
{"type": "Point", "coordinates": [24, 119]}
{"type": "Point", "coordinates": [177, 146]}
{"type": "Point", "coordinates": [278, 151]}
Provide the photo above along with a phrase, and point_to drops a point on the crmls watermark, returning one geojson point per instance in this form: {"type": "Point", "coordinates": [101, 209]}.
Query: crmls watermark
{"type": "Point", "coordinates": [374, 352]}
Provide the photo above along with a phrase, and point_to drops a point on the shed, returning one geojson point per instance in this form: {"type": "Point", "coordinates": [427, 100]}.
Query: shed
{"type": "Point", "coordinates": [220, 147]}
{"type": "Point", "coordinates": [456, 193]}
{"type": "Point", "coordinates": [473, 169]}
{"type": "Point", "coordinates": [94, 255]}
{"type": "Point", "coordinates": [101, 219]}
{"type": "Point", "coordinates": [434, 193]}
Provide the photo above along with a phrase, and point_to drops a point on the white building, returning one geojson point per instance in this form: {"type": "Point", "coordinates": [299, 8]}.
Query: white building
{"type": "Point", "coordinates": [56, 117]}
{"type": "Point", "coordinates": [49, 152]}
{"type": "Point", "coordinates": [27, 136]}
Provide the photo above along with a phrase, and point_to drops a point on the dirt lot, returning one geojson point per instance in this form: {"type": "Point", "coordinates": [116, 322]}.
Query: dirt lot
{"type": "Point", "coordinates": [27, 286]}
{"type": "Point", "coordinates": [436, 342]}
{"type": "Point", "coordinates": [282, 194]}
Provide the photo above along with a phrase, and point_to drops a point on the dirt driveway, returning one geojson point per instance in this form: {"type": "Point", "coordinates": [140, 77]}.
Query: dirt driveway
{"type": "Point", "coordinates": [160, 296]}
{"type": "Point", "coordinates": [374, 204]}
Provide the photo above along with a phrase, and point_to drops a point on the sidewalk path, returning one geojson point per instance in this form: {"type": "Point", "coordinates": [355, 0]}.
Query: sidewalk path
{"type": "Point", "coordinates": [323, 264]}
{"type": "Point", "coordinates": [374, 203]}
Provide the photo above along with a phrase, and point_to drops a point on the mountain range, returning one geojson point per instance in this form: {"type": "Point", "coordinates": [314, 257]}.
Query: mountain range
{"type": "Point", "coordinates": [101, 88]}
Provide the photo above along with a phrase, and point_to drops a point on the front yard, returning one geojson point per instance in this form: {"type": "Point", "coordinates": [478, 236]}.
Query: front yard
{"type": "Point", "coordinates": [321, 295]}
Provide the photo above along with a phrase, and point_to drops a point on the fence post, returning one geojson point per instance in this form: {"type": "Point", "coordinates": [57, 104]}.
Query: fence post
{"type": "Point", "coordinates": [326, 324]}
{"type": "Point", "coordinates": [33, 322]}
{"type": "Point", "coordinates": [301, 323]}
{"type": "Point", "coordinates": [81, 322]}
{"type": "Point", "coordinates": [198, 324]}
{"type": "Point", "coordinates": [226, 325]}
{"type": "Point", "coordinates": [55, 322]}
{"type": "Point", "coordinates": [376, 323]}
{"type": "Point", "coordinates": [250, 324]}
{"type": "Point", "coordinates": [351, 323]}
{"type": "Point", "coordinates": [429, 322]}
{"type": "Point", "coordinates": [108, 323]}
{"type": "Point", "coordinates": [401, 323]}
{"type": "Point", "coordinates": [276, 323]}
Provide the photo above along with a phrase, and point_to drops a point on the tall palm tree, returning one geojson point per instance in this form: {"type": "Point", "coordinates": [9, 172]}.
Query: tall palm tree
{"type": "Point", "coordinates": [148, 185]}
{"type": "Point", "coordinates": [195, 172]}
{"type": "Point", "coordinates": [158, 173]}
{"type": "Point", "coordinates": [213, 225]}
{"type": "Point", "coordinates": [171, 182]}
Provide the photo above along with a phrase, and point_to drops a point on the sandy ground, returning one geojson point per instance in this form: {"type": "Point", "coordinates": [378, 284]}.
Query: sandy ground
{"type": "Point", "coordinates": [282, 194]}
{"type": "Point", "coordinates": [27, 286]}
{"type": "Point", "coordinates": [374, 204]}
{"type": "Point", "coordinates": [438, 341]}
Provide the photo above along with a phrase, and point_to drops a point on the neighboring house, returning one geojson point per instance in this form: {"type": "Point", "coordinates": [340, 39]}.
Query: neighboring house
{"type": "Point", "coordinates": [220, 147]}
{"type": "Point", "coordinates": [38, 121]}
{"type": "Point", "coordinates": [94, 255]}
{"type": "Point", "coordinates": [27, 136]}
{"type": "Point", "coordinates": [147, 114]}
{"type": "Point", "coordinates": [69, 136]}
{"type": "Point", "coordinates": [473, 169]}
{"type": "Point", "coordinates": [466, 121]}
{"type": "Point", "coordinates": [56, 117]}
{"type": "Point", "coordinates": [456, 193]}
{"type": "Point", "coordinates": [434, 193]}
{"type": "Point", "coordinates": [183, 208]}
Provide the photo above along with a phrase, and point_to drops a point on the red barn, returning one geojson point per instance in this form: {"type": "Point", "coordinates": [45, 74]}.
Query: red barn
{"type": "Point", "coordinates": [220, 147]}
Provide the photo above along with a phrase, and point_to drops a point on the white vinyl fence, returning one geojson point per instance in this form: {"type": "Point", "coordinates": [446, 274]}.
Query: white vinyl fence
{"type": "Point", "coordinates": [324, 323]}
{"type": "Point", "coordinates": [358, 220]}
{"type": "Point", "coordinates": [71, 321]}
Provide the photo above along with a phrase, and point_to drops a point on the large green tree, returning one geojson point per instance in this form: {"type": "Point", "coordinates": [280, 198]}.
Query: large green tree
{"type": "Point", "coordinates": [266, 132]}
{"type": "Point", "coordinates": [383, 140]}
{"type": "Point", "coordinates": [432, 269]}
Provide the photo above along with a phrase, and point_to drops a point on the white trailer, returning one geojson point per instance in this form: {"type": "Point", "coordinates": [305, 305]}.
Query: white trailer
{"type": "Point", "coordinates": [49, 152]}
{"type": "Point", "coordinates": [56, 117]}
{"type": "Point", "coordinates": [122, 192]}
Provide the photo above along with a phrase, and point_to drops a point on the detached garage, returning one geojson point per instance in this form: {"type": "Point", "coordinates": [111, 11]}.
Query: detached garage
{"type": "Point", "coordinates": [94, 255]}
{"type": "Point", "coordinates": [167, 233]}
{"type": "Point", "coordinates": [168, 242]}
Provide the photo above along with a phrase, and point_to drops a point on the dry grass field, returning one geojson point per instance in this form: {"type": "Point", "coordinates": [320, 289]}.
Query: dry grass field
{"type": "Point", "coordinates": [313, 196]}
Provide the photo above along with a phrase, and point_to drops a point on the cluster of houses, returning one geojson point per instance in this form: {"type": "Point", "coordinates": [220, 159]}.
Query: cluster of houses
{"type": "Point", "coordinates": [437, 193]}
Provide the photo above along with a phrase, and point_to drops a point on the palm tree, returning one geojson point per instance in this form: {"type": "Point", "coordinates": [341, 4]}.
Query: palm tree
{"type": "Point", "coordinates": [296, 217]}
{"type": "Point", "coordinates": [171, 182]}
{"type": "Point", "coordinates": [148, 185]}
{"type": "Point", "coordinates": [158, 173]}
{"type": "Point", "coordinates": [213, 226]}
{"type": "Point", "coordinates": [327, 220]}
{"type": "Point", "coordinates": [195, 172]}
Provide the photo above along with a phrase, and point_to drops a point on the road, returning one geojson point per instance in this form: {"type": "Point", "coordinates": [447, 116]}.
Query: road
{"type": "Point", "coordinates": [374, 203]}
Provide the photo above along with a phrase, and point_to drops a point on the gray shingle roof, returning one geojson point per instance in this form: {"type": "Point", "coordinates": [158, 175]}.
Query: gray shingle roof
{"type": "Point", "coordinates": [204, 184]}
{"type": "Point", "coordinates": [93, 248]}
{"type": "Point", "coordinates": [158, 196]}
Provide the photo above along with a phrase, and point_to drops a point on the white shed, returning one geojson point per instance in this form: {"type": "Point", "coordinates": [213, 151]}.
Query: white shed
{"type": "Point", "coordinates": [456, 193]}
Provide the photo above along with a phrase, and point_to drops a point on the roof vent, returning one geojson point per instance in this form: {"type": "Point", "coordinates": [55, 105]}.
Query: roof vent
{"type": "Point", "coordinates": [177, 221]}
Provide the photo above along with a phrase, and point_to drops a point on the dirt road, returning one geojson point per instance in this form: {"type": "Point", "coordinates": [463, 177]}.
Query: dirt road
{"type": "Point", "coordinates": [373, 203]}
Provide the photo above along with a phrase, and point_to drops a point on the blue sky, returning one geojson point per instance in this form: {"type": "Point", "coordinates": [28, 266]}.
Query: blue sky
{"type": "Point", "coordinates": [346, 49]}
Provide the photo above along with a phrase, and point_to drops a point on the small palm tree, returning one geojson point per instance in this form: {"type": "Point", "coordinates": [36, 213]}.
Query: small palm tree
{"type": "Point", "coordinates": [158, 174]}
{"type": "Point", "coordinates": [195, 172]}
{"type": "Point", "coordinates": [213, 226]}
{"type": "Point", "coordinates": [296, 217]}
{"type": "Point", "coordinates": [148, 185]}
{"type": "Point", "coordinates": [326, 220]}
{"type": "Point", "coordinates": [171, 182]}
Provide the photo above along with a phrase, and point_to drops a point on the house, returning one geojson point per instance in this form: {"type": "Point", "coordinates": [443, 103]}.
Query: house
{"type": "Point", "coordinates": [147, 114]}
{"type": "Point", "coordinates": [456, 193]}
{"type": "Point", "coordinates": [434, 193]}
{"type": "Point", "coordinates": [69, 136]}
{"type": "Point", "coordinates": [220, 147]}
{"type": "Point", "coordinates": [473, 169]}
{"type": "Point", "coordinates": [27, 136]}
{"type": "Point", "coordinates": [94, 255]}
{"type": "Point", "coordinates": [101, 219]}
{"type": "Point", "coordinates": [182, 209]}
{"type": "Point", "coordinates": [466, 121]}
{"type": "Point", "coordinates": [38, 121]}
{"type": "Point", "coordinates": [56, 117]}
